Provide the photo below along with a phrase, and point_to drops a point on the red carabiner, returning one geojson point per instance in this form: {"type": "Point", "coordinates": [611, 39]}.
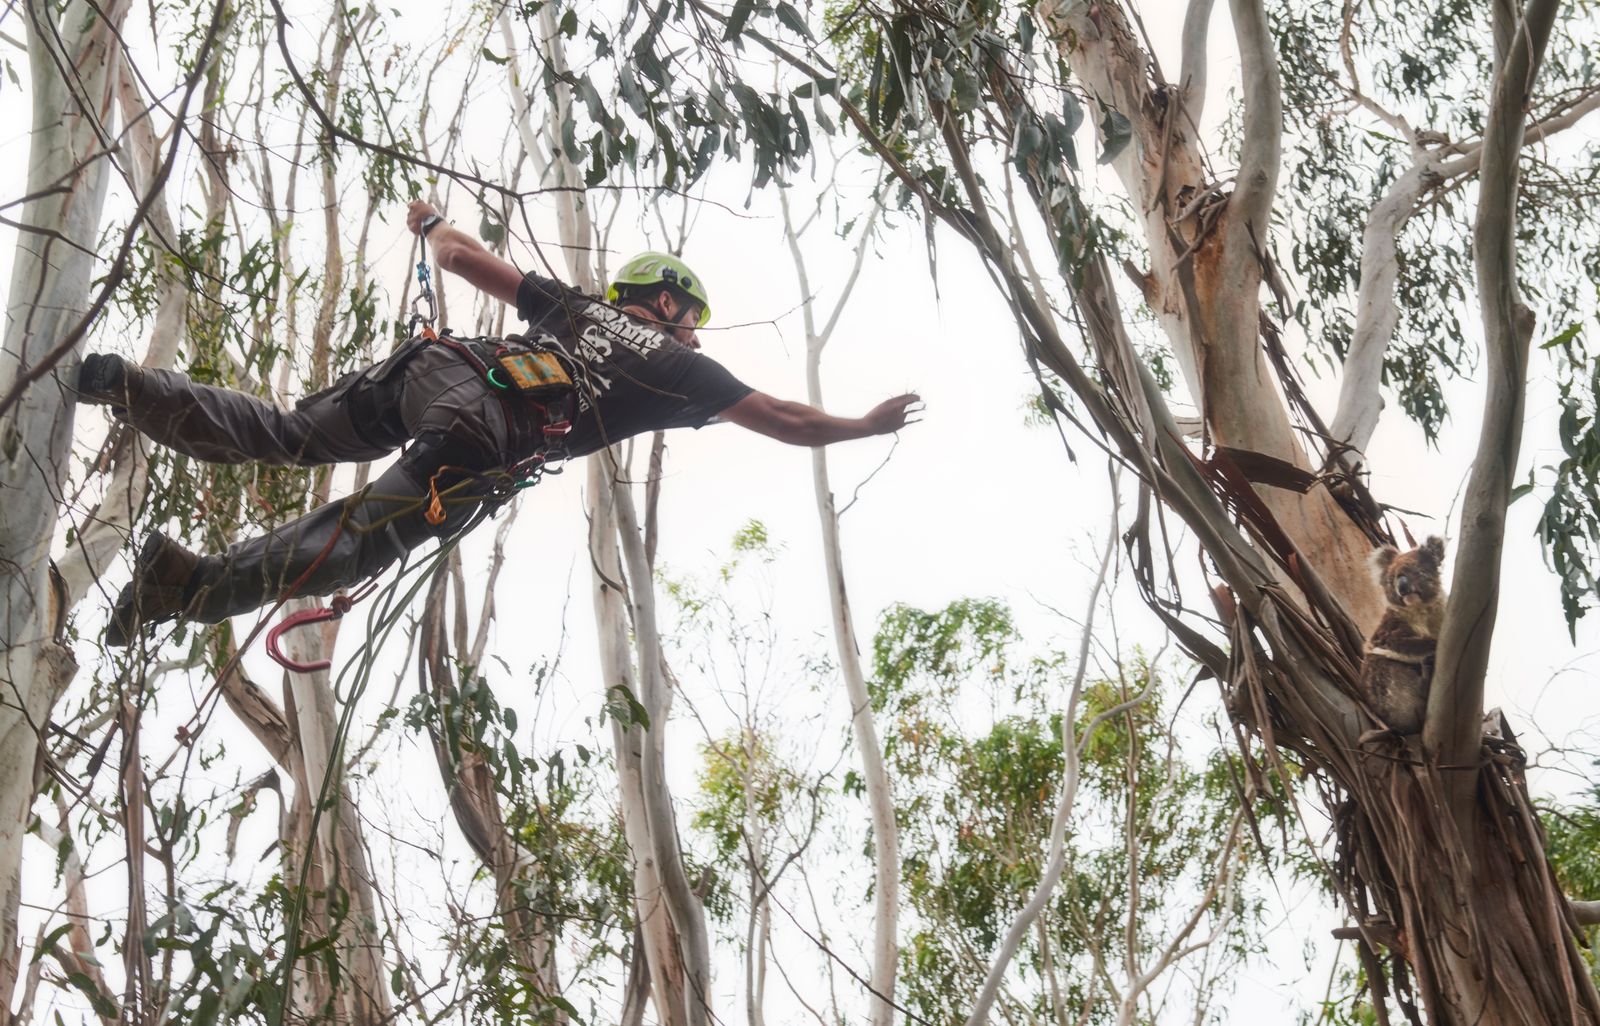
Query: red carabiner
{"type": "Point", "coordinates": [305, 617]}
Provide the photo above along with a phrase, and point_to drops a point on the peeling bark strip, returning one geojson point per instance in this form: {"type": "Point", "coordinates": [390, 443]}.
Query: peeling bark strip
{"type": "Point", "coordinates": [474, 801]}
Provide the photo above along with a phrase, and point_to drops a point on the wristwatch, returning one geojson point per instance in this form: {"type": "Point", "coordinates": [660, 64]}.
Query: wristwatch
{"type": "Point", "coordinates": [427, 224]}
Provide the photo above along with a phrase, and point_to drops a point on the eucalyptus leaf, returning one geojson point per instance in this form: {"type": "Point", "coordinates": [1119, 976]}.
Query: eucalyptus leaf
{"type": "Point", "coordinates": [1115, 133]}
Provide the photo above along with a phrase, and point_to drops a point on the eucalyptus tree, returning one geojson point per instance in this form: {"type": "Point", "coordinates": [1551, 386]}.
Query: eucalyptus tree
{"type": "Point", "coordinates": [969, 106]}
{"type": "Point", "coordinates": [216, 284]}
{"type": "Point", "coordinates": [49, 307]}
{"type": "Point", "coordinates": [958, 101]}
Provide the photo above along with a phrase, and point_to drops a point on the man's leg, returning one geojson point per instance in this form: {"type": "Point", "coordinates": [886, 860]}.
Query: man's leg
{"type": "Point", "coordinates": [221, 425]}
{"type": "Point", "coordinates": [334, 546]}
{"type": "Point", "coordinates": [461, 430]}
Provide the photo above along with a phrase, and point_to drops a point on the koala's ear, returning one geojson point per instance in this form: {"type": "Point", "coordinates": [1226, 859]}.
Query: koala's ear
{"type": "Point", "coordinates": [1434, 547]}
{"type": "Point", "coordinates": [1379, 561]}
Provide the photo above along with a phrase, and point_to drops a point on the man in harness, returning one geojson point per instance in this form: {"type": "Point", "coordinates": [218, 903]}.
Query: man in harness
{"type": "Point", "coordinates": [480, 417]}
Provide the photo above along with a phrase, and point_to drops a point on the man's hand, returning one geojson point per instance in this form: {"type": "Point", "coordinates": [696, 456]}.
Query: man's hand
{"type": "Point", "coordinates": [891, 415]}
{"type": "Point", "coordinates": [460, 254]}
{"type": "Point", "coordinates": [417, 213]}
{"type": "Point", "coordinates": [799, 424]}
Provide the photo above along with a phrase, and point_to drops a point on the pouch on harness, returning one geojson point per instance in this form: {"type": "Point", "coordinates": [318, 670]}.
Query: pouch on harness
{"type": "Point", "coordinates": [528, 377]}
{"type": "Point", "coordinates": [535, 373]}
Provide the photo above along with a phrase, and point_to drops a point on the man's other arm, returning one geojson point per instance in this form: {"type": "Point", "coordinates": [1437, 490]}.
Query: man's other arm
{"type": "Point", "coordinates": [799, 424]}
{"type": "Point", "coordinates": [464, 257]}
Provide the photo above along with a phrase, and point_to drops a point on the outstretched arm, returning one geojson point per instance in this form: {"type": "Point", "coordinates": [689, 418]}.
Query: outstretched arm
{"type": "Point", "coordinates": [799, 424]}
{"type": "Point", "coordinates": [463, 256]}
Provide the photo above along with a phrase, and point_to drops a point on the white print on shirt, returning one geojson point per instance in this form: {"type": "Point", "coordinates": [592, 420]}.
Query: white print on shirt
{"type": "Point", "coordinates": [608, 326]}
{"type": "Point", "coordinates": [595, 344]}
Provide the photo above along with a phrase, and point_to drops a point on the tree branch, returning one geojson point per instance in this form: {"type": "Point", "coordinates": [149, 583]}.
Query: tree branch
{"type": "Point", "coordinates": [1455, 707]}
{"type": "Point", "coordinates": [1377, 314]}
{"type": "Point", "coordinates": [1192, 73]}
{"type": "Point", "coordinates": [1260, 149]}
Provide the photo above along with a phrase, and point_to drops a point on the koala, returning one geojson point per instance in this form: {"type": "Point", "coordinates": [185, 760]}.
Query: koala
{"type": "Point", "coordinates": [1398, 668]}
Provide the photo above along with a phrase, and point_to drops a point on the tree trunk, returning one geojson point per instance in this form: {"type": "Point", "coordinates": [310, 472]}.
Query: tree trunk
{"type": "Point", "coordinates": [48, 296]}
{"type": "Point", "coordinates": [671, 920]}
{"type": "Point", "coordinates": [663, 957]}
{"type": "Point", "coordinates": [1439, 851]}
{"type": "Point", "coordinates": [1207, 253]}
{"type": "Point", "coordinates": [475, 802]}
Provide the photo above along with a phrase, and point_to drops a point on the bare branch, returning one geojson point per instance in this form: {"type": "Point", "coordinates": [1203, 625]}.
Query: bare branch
{"type": "Point", "coordinates": [1455, 705]}
{"type": "Point", "coordinates": [1260, 149]}
{"type": "Point", "coordinates": [1055, 863]}
{"type": "Point", "coordinates": [1192, 73]}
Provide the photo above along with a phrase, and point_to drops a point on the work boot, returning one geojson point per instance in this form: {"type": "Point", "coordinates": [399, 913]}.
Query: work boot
{"type": "Point", "coordinates": [159, 590]}
{"type": "Point", "coordinates": [106, 379]}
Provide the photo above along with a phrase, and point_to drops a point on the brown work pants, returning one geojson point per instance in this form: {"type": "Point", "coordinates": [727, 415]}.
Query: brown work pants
{"type": "Point", "coordinates": [425, 393]}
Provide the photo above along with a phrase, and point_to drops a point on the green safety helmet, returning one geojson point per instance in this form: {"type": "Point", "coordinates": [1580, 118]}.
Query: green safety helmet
{"type": "Point", "coordinates": [662, 269]}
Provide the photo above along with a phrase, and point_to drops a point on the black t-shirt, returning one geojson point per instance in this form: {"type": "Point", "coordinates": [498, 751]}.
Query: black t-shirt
{"type": "Point", "coordinates": [631, 378]}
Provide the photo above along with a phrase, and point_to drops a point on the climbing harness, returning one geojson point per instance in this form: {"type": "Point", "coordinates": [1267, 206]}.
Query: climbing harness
{"type": "Point", "coordinates": [525, 377]}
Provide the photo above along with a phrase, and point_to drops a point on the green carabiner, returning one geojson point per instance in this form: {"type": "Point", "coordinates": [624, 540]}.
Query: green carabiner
{"type": "Point", "coordinates": [497, 384]}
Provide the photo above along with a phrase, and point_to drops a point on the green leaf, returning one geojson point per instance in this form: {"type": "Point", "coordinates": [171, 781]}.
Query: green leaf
{"type": "Point", "coordinates": [44, 946]}
{"type": "Point", "coordinates": [736, 19]}
{"type": "Point", "coordinates": [489, 56]}
{"type": "Point", "coordinates": [1566, 335]}
{"type": "Point", "coordinates": [791, 18]}
{"type": "Point", "coordinates": [1116, 131]}
{"type": "Point", "coordinates": [489, 231]}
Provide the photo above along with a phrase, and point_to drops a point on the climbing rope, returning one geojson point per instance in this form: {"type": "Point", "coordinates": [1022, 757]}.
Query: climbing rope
{"type": "Point", "coordinates": [424, 311]}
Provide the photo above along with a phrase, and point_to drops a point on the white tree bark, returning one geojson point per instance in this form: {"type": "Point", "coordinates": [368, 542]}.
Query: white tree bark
{"type": "Point", "coordinates": [48, 295]}
{"type": "Point", "coordinates": [1073, 749]}
{"type": "Point", "coordinates": [656, 930]}
{"type": "Point", "coordinates": [880, 793]}
{"type": "Point", "coordinates": [655, 694]}
{"type": "Point", "coordinates": [337, 846]}
{"type": "Point", "coordinates": [106, 533]}
{"type": "Point", "coordinates": [1377, 312]}
{"type": "Point", "coordinates": [1205, 248]}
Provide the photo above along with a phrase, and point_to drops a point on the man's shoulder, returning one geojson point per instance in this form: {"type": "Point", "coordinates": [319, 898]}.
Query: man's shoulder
{"type": "Point", "coordinates": [538, 297]}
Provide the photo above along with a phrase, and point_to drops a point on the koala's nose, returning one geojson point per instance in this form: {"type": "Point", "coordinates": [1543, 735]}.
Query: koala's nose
{"type": "Point", "coordinates": [1402, 585]}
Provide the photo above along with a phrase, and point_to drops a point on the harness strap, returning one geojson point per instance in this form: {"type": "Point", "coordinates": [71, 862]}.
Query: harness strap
{"type": "Point", "coordinates": [516, 414]}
